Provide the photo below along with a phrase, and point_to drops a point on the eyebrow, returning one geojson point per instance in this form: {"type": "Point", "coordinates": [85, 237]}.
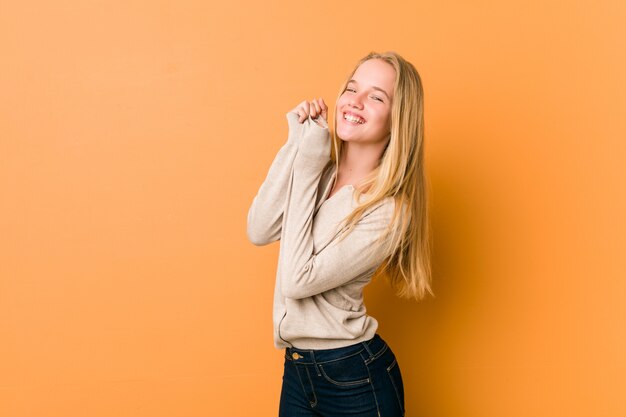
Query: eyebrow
{"type": "Point", "coordinates": [374, 87]}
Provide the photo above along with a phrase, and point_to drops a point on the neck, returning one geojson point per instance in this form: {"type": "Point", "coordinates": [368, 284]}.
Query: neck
{"type": "Point", "coordinates": [358, 160]}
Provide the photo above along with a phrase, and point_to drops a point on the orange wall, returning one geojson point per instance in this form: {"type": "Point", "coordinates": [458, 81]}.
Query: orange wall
{"type": "Point", "coordinates": [134, 135]}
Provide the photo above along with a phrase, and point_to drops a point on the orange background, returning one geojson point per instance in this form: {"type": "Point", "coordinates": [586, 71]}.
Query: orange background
{"type": "Point", "coordinates": [134, 135]}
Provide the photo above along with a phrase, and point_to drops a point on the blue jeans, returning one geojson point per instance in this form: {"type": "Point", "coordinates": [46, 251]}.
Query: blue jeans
{"type": "Point", "coordinates": [361, 380]}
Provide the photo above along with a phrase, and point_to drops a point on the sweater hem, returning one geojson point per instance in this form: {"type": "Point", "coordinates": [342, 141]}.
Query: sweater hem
{"type": "Point", "coordinates": [316, 344]}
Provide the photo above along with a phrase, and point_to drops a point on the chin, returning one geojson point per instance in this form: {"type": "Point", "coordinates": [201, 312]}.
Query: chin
{"type": "Point", "coordinates": [346, 138]}
{"type": "Point", "coordinates": [350, 136]}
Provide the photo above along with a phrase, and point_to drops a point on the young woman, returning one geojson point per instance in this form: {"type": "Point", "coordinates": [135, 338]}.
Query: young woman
{"type": "Point", "coordinates": [345, 207]}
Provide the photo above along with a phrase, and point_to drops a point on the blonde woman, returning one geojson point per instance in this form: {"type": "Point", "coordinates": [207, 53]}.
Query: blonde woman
{"type": "Point", "coordinates": [345, 205]}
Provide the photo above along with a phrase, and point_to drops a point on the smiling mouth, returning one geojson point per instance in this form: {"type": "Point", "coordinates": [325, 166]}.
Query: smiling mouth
{"type": "Point", "coordinates": [353, 119]}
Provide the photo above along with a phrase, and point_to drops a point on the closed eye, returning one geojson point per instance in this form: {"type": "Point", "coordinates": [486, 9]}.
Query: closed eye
{"type": "Point", "coordinates": [352, 90]}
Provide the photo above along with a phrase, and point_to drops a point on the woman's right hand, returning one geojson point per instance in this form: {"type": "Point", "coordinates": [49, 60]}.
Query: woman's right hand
{"type": "Point", "coordinates": [314, 108]}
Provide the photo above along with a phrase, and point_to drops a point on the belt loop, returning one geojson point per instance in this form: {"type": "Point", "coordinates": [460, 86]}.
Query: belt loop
{"type": "Point", "coordinates": [368, 350]}
{"type": "Point", "coordinates": [317, 369]}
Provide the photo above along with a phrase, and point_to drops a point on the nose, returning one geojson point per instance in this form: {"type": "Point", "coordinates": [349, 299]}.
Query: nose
{"type": "Point", "coordinates": [355, 101]}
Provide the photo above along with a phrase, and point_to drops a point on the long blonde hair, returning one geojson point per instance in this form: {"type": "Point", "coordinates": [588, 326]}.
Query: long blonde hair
{"type": "Point", "coordinates": [400, 175]}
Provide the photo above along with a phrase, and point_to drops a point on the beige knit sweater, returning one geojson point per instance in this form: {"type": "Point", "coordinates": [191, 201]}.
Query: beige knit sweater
{"type": "Point", "coordinates": [318, 295]}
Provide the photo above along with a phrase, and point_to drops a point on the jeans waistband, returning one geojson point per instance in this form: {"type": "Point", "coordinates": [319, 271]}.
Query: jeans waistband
{"type": "Point", "coordinates": [371, 348]}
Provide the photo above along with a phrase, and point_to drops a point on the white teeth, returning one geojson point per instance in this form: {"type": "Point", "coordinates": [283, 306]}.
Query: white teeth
{"type": "Point", "coordinates": [353, 119]}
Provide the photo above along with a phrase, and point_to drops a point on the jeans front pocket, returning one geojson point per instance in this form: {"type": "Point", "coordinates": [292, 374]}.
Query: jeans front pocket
{"type": "Point", "coordinates": [393, 370]}
{"type": "Point", "coordinates": [346, 372]}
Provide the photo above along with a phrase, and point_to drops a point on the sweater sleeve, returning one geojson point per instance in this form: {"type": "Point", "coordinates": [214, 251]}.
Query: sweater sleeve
{"type": "Point", "coordinates": [265, 214]}
{"type": "Point", "coordinates": [305, 273]}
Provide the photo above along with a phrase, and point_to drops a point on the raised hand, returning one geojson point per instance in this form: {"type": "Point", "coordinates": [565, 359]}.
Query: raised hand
{"type": "Point", "coordinates": [314, 108]}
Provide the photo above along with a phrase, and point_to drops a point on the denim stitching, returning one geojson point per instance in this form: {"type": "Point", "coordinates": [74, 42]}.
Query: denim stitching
{"type": "Point", "coordinates": [314, 403]}
{"type": "Point", "coordinates": [373, 391]}
{"type": "Point", "coordinates": [343, 384]}
{"type": "Point", "coordinates": [395, 388]}
{"type": "Point", "coordinates": [341, 358]}
{"type": "Point", "coordinates": [377, 354]}
{"type": "Point", "coordinates": [315, 364]}
{"type": "Point", "coordinates": [301, 384]}
{"type": "Point", "coordinates": [329, 361]}
{"type": "Point", "coordinates": [367, 348]}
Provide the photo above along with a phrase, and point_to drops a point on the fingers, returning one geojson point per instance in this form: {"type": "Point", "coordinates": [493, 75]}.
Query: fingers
{"type": "Point", "coordinates": [303, 111]}
{"type": "Point", "coordinates": [314, 108]}
{"type": "Point", "coordinates": [317, 109]}
{"type": "Point", "coordinates": [323, 108]}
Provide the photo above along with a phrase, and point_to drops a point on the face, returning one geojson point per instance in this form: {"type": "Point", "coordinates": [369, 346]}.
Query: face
{"type": "Point", "coordinates": [363, 110]}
